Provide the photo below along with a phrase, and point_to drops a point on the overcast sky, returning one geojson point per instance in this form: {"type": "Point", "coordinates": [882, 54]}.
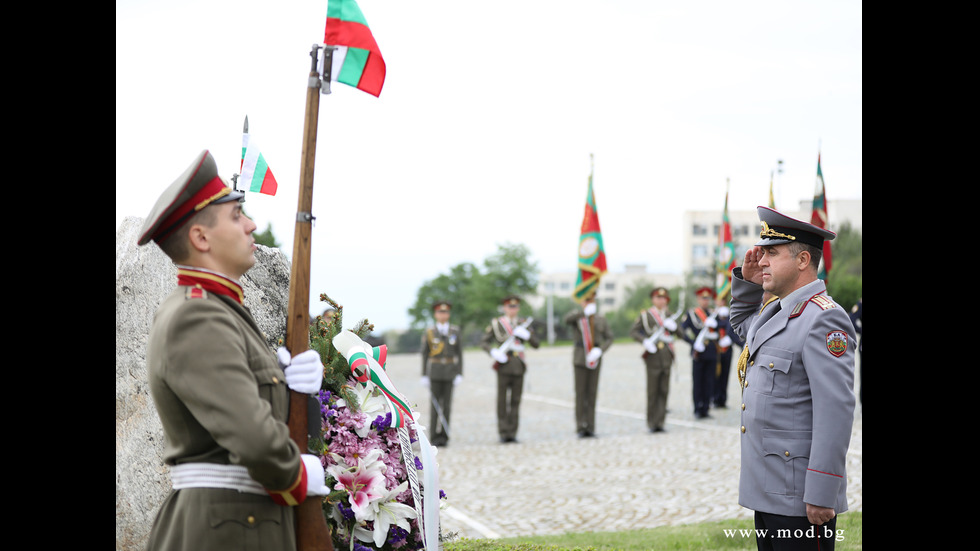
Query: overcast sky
{"type": "Point", "coordinates": [484, 127]}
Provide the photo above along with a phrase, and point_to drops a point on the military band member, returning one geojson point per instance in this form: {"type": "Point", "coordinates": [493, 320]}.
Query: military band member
{"type": "Point", "coordinates": [654, 329]}
{"type": "Point", "coordinates": [727, 339]}
{"type": "Point", "coordinates": [508, 361]}
{"type": "Point", "coordinates": [700, 330]}
{"type": "Point", "coordinates": [592, 337]}
{"type": "Point", "coordinates": [797, 395]}
{"type": "Point", "coordinates": [442, 370]}
{"type": "Point", "coordinates": [220, 391]}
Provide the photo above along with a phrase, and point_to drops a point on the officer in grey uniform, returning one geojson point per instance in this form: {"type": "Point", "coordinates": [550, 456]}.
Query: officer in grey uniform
{"type": "Point", "coordinates": [221, 393]}
{"type": "Point", "coordinates": [505, 339]}
{"type": "Point", "coordinates": [797, 387]}
{"type": "Point", "coordinates": [442, 370]}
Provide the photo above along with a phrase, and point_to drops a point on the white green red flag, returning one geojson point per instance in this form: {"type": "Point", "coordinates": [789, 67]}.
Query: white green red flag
{"type": "Point", "coordinates": [591, 255]}
{"type": "Point", "coordinates": [726, 254]}
{"type": "Point", "coordinates": [819, 218]}
{"type": "Point", "coordinates": [254, 173]}
{"type": "Point", "coordinates": [357, 60]}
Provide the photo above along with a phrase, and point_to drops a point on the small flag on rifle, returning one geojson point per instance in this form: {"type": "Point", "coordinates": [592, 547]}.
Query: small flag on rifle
{"type": "Point", "coordinates": [255, 174]}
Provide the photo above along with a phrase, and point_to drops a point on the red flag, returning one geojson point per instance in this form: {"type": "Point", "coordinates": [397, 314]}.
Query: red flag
{"type": "Point", "coordinates": [591, 255]}
{"type": "Point", "coordinates": [819, 218]}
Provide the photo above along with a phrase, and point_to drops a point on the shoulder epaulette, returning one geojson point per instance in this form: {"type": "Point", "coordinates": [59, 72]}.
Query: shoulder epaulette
{"type": "Point", "coordinates": [820, 300]}
{"type": "Point", "coordinates": [195, 292]}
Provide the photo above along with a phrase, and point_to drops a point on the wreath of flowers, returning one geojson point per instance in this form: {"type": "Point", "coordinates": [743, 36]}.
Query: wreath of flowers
{"type": "Point", "coordinates": [371, 506]}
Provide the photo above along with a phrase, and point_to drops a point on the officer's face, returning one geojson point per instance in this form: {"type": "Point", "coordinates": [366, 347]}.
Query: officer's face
{"type": "Point", "coordinates": [442, 316]}
{"type": "Point", "coordinates": [779, 270]}
{"type": "Point", "coordinates": [232, 245]}
{"type": "Point", "coordinates": [660, 302]}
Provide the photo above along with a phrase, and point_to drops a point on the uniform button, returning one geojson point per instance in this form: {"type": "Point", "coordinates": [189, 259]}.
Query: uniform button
{"type": "Point", "coordinates": [743, 407]}
{"type": "Point", "coordinates": [251, 519]}
{"type": "Point", "coordinates": [275, 380]}
{"type": "Point", "coordinates": [786, 453]}
{"type": "Point", "coordinates": [743, 428]}
{"type": "Point", "coordinates": [771, 365]}
{"type": "Point", "coordinates": [752, 362]}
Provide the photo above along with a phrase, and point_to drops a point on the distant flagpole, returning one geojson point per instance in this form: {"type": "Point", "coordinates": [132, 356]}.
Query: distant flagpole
{"type": "Point", "coordinates": [726, 252]}
{"type": "Point", "coordinates": [772, 200]}
{"type": "Point", "coordinates": [819, 218]}
{"type": "Point", "coordinates": [591, 252]}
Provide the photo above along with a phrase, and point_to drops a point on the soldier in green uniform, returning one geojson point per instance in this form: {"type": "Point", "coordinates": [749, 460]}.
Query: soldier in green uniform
{"type": "Point", "coordinates": [504, 340]}
{"type": "Point", "coordinates": [442, 370]}
{"type": "Point", "coordinates": [592, 337]}
{"type": "Point", "coordinates": [221, 393]}
{"type": "Point", "coordinates": [654, 329]}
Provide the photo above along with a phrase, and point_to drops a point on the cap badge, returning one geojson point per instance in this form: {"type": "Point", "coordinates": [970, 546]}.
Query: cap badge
{"type": "Point", "coordinates": [769, 232]}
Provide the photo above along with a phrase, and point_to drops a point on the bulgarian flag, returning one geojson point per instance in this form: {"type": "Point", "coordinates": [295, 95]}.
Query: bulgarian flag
{"type": "Point", "coordinates": [591, 256]}
{"type": "Point", "coordinates": [726, 254]}
{"type": "Point", "coordinates": [254, 172]}
{"type": "Point", "coordinates": [357, 60]}
{"type": "Point", "coordinates": [819, 218]}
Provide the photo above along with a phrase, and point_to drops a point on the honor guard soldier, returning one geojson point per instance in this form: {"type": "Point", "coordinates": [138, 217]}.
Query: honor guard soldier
{"type": "Point", "coordinates": [797, 387]}
{"type": "Point", "coordinates": [654, 329]}
{"type": "Point", "coordinates": [700, 330]}
{"type": "Point", "coordinates": [726, 339]}
{"type": "Point", "coordinates": [221, 393]}
{"type": "Point", "coordinates": [504, 339]}
{"type": "Point", "coordinates": [442, 370]}
{"type": "Point", "coordinates": [592, 337]}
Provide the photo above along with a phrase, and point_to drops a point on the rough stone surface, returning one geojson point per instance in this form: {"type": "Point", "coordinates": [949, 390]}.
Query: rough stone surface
{"type": "Point", "coordinates": [144, 277]}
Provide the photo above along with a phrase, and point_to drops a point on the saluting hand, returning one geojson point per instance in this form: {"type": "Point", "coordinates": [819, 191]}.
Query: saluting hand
{"type": "Point", "coordinates": [751, 271]}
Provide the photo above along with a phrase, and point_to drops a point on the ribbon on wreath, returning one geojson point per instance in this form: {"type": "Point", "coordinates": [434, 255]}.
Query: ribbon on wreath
{"type": "Point", "coordinates": [365, 368]}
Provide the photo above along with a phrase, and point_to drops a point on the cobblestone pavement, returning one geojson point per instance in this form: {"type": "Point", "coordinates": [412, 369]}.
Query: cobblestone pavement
{"type": "Point", "coordinates": [552, 481]}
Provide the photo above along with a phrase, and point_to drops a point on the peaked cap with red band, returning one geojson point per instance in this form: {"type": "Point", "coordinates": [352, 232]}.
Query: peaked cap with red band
{"type": "Point", "coordinates": [198, 187]}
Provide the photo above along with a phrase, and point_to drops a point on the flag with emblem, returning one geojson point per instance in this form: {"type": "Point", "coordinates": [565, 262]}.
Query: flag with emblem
{"type": "Point", "coordinates": [726, 254]}
{"type": "Point", "coordinates": [819, 218]}
{"type": "Point", "coordinates": [254, 171]}
{"type": "Point", "coordinates": [357, 60]}
{"type": "Point", "coordinates": [591, 255]}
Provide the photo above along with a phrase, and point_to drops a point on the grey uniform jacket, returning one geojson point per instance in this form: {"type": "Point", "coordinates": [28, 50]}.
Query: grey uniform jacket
{"type": "Point", "coordinates": [798, 399]}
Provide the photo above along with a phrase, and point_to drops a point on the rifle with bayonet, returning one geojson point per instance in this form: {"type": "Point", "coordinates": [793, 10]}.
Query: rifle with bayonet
{"type": "Point", "coordinates": [312, 533]}
{"type": "Point", "coordinates": [509, 343]}
{"type": "Point", "coordinates": [658, 335]}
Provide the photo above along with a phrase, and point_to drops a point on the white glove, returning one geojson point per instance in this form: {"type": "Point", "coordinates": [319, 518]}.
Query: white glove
{"type": "Point", "coordinates": [304, 372]}
{"type": "Point", "coordinates": [315, 480]}
{"type": "Point", "coordinates": [498, 355]}
{"type": "Point", "coordinates": [424, 381]}
{"type": "Point", "coordinates": [712, 323]}
{"type": "Point", "coordinates": [699, 346]}
{"type": "Point", "coordinates": [725, 341]}
{"type": "Point", "coordinates": [457, 379]}
{"type": "Point", "coordinates": [648, 344]}
{"type": "Point", "coordinates": [723, 311]}
{"type": "Point", "coordinates": [589, 309]}
{"type": "Point", "coordinates": [670, 324]}
{"type": "Point", "coordinates": [593, 355]}
{"type": "Point", "coordinates": [522, 333]}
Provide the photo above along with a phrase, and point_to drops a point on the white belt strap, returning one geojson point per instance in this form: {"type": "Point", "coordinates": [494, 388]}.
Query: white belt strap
{"type": "Point", "coordinates": [213, 475]}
